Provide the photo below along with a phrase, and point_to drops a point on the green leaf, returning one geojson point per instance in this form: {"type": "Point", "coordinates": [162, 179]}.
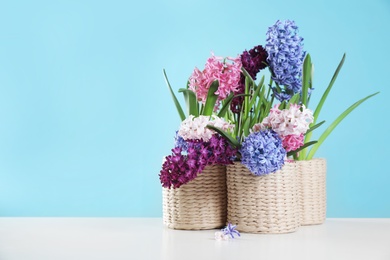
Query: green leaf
{"type": "Point", "coordinates": [301, 148]}
{"type": "Point", "coordinates": [211, 99]}
{"type": "Point", "coordinates": [192, 103]}
{"type": "Point", "coordinates": [256, 93]}
{"type": "Point", "coordinates": [246, 74]}
{"type": "Point", "coordinates": [306, 78]}
{"type": "Point", "coordinates": [324, 96]}
{"type": "Point", "coordinates": [311, 83]}
{"type": "Point", "coordinates": [294, 100]}
{"type": "Point", "coordinates": [315, 126]}
{"type": "Point", "coordinates": [225, 135]}
{"type": "Point", "coordinates": [246, 126]}
{"type": "Point", "coordinates": [177, 104]}
{"type": "Point", "coordinates": [246, 98]}
{"type": "Point", "coordinates": [334, 124]}
{"type": "Point", "coordinates": [226, 104]}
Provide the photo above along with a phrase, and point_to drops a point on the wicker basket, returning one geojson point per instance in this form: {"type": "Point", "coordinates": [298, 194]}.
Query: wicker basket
{"type": "Point", "coordinates": [312, 191]}
{"type": "Point", "coordinates": [199, 204]}
{"type": "Point", "coordinates": [263, 204]}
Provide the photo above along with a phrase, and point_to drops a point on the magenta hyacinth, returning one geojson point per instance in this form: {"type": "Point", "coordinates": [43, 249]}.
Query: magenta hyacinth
{"type": "Point", "coordinates": [183, 166]}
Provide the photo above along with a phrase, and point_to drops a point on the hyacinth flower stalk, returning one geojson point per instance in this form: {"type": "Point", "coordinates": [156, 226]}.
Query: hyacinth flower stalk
{"type": "Point", "coordinates": [307, 80]}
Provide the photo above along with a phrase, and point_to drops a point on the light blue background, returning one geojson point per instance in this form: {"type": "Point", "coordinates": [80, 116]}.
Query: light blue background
{"type": "Point", "coordinates": [85, 116]}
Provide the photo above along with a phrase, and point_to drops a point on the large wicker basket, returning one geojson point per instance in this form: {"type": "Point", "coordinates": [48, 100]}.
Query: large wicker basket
{"type": "Point", "coordinates": [199, 204]}
{"type": "Point", "coordinates": [312, 191]}
{"type": "Point", "coordinates": [263, 204]}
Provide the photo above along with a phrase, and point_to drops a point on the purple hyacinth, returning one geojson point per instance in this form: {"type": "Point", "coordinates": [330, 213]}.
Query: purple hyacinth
{"type": "Point", "coordinates": [285, 58]}
{"type": "Point", "coordinates": [190, 157]}
{"type": "Point", "coordinates": [253, 61]}
{"type": "Point", "coordinates": [262, 152]}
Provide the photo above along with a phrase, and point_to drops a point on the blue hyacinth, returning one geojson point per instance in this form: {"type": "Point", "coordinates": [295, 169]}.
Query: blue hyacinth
{"type": "Point", "coordinates": [285, 58]}
{"type": "Point", "coordinates": [262, 152]}
{"type": "Point", "coordinates": [180, 142]}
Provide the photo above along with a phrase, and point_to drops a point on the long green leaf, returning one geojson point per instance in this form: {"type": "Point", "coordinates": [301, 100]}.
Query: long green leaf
{"type": "Point", "coordinates": [225, 135]}
{"type": "Point", "coordinates": [211, 99]}
{"type": "Point", "coordinates": [226, 104]}
{"type": "Point", "coordinates": [246, 74]}
{"type": "Point", "coordinates": [334, 124]}
{"type": "Point", "coordinates": [177, 104]}
{"type": "Point", "coordinates": [301, 148]}
{"type": "Point", "coordinates": [192, 103]}
{"type": "Point", "coordinates": [315, 126]}
{"type": "Point", "coordinates": [246, 98]}
{"type": "Point", "coordinates": [325, 95]}
{"type": "Point", "coordinates": [294, 100]}
{"type": "Point", "coordinates": [256, 93]}
{"type": "Point", "coordinates": [246, 126]}
{"type": "Point", "coordinates": [306, 78]}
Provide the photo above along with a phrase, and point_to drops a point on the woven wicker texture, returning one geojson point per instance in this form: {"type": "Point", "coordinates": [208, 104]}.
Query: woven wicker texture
{"type": "Point", "coordinates": [312, 191]}
{"type": "Point", "coordinates": [199, 204]}
{"type": "Point", "coordinates": [263, 204]}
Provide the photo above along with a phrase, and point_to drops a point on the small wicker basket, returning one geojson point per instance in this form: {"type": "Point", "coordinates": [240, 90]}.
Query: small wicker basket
{"type": "Point", "coordinates": [312, 191]}
{"type": "Point", "coordinates": [199, 204]}
{"type": "Point", "coordinates": [263, 204]}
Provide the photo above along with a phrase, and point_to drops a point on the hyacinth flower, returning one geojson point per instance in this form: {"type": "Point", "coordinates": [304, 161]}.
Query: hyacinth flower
{"type": "Point", "coordinates": [285, 58]}
{"type": "Point", "coordinates": [262, 152]}
{"type": "Point", "coordinates": [231, 230]}
{"type": "Point", "coordinates": [252, 61]}
{"type": "Point", "coordinates": [196, 146]}
{"type": "Point", "coordinates": [208, 88]}
{"type": "Point", "coordinates": [183, 166]}
{"type": "Point", "coordinates": [291, 124]}
{"type": "Point", "coordinates": [226, 71]}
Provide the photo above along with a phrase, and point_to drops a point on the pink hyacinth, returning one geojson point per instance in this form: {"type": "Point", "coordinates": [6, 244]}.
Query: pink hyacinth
{"type": "Point", "coordinates": [193, 128]}
{"type": "Point", "coordinates": [290, 121]}
{"type": "Point", "coordinates": [290, 124]}
{"type": "Point", "coordinates": [292, 142]}
{"type": "Point", "coordinates": [216, 68]}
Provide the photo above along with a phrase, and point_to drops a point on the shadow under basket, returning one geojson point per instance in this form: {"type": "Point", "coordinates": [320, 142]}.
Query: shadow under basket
{"type": "Point", "coordinates": [199, 204]}
{"type": "Point", "coordinates": [263, 204]}
{"type": "Point", "coordinates": [312, 191]}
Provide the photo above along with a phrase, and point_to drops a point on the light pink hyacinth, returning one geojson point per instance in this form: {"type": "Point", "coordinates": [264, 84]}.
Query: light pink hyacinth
{"type": "Point", "coordinates": [290, 121]}
{"type": "Point", "coordinates": [225, 70]}
{"type": "Point", "coordinates": [194, 128]}
{"type": "Point", "coordinates": [290, 124]}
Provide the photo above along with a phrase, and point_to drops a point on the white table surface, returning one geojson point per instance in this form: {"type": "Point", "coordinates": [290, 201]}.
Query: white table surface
{"type": "Point", "coordinates": [147, 238]}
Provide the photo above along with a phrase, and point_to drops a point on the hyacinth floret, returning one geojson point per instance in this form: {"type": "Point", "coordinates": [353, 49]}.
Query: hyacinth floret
{"type": "Point", "coordinates": [230, 230]}
{"type": "Point", "coordinates": [262, 152]}
{"type": "Point", "coordinates": [285, 58]}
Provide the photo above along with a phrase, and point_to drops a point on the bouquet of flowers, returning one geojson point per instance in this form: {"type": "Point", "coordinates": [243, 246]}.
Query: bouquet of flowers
{"type": "Point", "coordinates": [232, 117]}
